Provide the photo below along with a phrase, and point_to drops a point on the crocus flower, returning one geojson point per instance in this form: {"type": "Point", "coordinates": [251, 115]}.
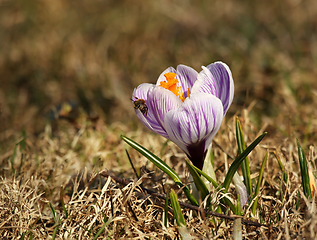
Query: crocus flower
{"type": "Point", "coordinates": [186, 107]}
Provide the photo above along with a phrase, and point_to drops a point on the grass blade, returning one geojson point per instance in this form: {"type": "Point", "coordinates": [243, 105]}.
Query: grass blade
{"type": "Point", "coordinates": [54, 232]}
{"type": "Point", "coordinates": [165, 213]}
{"type": "Point", "coordinates": [56, 220]}
{"type": "Point", "coordinates": [281, 166]}
{"type": "Point", "coordinates": [102, 229]}
{"type": "Point", "coordinates": [245, 163]}
{"type": "Point", "coordinates": [178, 215]}
{"type": "Point", "coordinates": [131, 163]}
{"type": "Point", "coordinates": [23, 141]}
{"type": "Point", "coordinates": [54, 213]}
{"type": "Point", "coordinates": [225, 200]}
{"type": "Point", "coordinates": [257, 188]}
{"type": "Point", "coordinates": [237, 162]}
{"type": "Point", "coordinates": [132, 211]}
{"type": "Point", "coordinates": [238, 207]}
{"type": "Point", "coordinates": [63, 202]}
{"type": "Point", "coordinates": [13, 157]}
{"type": "Point", "coordinates": [161, 165]}
{"type": "Point", "coordinates": [208, 167]}
{"type": "Point", "coordinates": [304, 171]}
{"type": "Point", "coordinates": [198, 181]}
{"type": "Point", "coordinates": [210, 179]}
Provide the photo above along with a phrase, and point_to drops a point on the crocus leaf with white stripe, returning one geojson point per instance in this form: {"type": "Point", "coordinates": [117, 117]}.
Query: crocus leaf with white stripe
{"type": "Point", "coordinates": [257, 188]}
{"type": "Point", "coordinates": [237, 162]}
{"type": "Point", "coordinates": [304, 171]}
{"type": "Point", "coordinates": [178, 215]}
{"type": "Point", "coordinates": [245, 164]}
{"type": "Point", "coordinates": [161, 165]}
{"type": "Point", "coordinates": [200, 185]}
{"type": "Point", "coordinates": [224, 200]}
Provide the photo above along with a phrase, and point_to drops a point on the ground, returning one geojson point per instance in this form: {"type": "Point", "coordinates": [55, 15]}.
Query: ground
{"type": "Point", "coordinates": [68, 69]}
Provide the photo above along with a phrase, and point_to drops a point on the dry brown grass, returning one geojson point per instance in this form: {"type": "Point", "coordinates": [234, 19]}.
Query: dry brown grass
{"type": "Point", "coordinates": [71, 160]}
{"type": "Point", "coordinates": [92, 54]}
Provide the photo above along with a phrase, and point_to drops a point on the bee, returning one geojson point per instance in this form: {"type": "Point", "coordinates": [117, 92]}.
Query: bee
{"type": "Point", "coordinates": [140, 104]}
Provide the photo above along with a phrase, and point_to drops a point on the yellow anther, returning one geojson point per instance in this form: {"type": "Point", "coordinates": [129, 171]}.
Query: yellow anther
{"type": "Point", "coordinates": [171, 84]}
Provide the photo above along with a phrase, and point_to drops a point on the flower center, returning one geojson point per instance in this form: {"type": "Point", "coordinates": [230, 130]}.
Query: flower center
{"type": "Point", "coordinates": [171, 84]}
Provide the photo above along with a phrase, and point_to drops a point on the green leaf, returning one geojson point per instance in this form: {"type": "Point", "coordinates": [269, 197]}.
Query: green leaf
{"type": "Point", "coordinates": [23, 141]}
{"type": "Point", "coordinates": [198, 181]}
{"type": "Point", "coordinates": [13, 157]}
{"type": "Point", "coordinates": [102, 228]}
{"type": "Point", "coordinates": [178, 215]}
{"type": "Point", "coordinates": [245, 164]}
{"type": "Point", "coordinates": [304, 171]}
{"type": "Point", "coordinates": [257, 188]}
{"type": "Point", "coordinates": [161, 165]}
{"type": "Point", "coordinates": [54, 213]}
{"type": "Point", "coordinates": [56, 220]}
{"type": "Point", "coordinates": [165, 213]}
{"type": "Point", "coordinates": [210, 179]}
{"type": "Point", "coordinates": [281, 166]}
{"type": "Point", "coordinates": [55, 232]}
{"type": "Point", "coordinates": [224, 200]}
{"type": "Point", "coordinates": [238, 207]}
{"type": "Point", "coordinates": [63, 203]}
{"type": "Point", "coordinates": [134, 170]}
{"type": "Point", "coordinates": [208, 168]}
{"type": "Point", "coordinates": [237, 162]}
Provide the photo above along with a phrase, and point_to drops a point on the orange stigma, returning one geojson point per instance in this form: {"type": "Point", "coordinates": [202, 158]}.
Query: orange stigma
{"type": "Point", "coordinates": [171, 84]}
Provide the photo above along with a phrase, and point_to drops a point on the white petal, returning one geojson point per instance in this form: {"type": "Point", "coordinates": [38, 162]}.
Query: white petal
{"type": "Point", "coordinates": [149, 120]}
{"type": "Point", "coordinates": [197, 120]}
{"type": "Point", "coordinates": [162, 77]}
{"type": "Point", "coordinates": [205, 83]}
{"type": "Point", "coordinates": [224, 82]}
{"type": "Point", "coordinates": [141, 91]}
{"type": "Point", "coordinates": [187, 77]}
{"type": "Point", "coordinates": [160, 101]}
{"type": "Point", "coordinates": [216, 79]}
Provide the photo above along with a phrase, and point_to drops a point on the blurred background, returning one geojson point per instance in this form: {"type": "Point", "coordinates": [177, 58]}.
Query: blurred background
{"type": "Point", "coordinates": [92, 53]}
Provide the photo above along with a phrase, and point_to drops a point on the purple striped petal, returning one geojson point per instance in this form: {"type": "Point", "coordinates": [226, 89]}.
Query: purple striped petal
{"type": "Point", "coordinates": [205, 83]}
{"type": "Point", "coordinates": [150, 121]}
{"type": "Point", "coordinates": [187, 77]}
{"type": "Point", "coordinates": [142, 90]}
{"type": "Point", "coordinates": [224, 82]}
{"type": "Point", "coordinates": [162, 77]}
{"type": "Point", "coordinates": [216, 79]}
{"type": "Point", "coordinates": [161, 101]}
{"type": "Point", "coordinates": [193, 125]}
